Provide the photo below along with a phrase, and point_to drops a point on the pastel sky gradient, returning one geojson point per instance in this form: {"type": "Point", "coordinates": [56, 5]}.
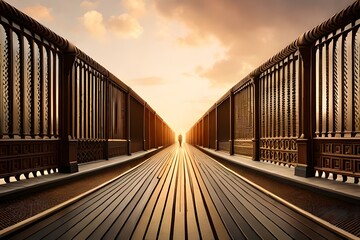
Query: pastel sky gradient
{"type": "Point", "coordinates": [180, 56]}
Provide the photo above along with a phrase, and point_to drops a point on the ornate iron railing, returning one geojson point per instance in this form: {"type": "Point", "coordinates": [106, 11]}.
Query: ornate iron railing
{"type": "Point", "coordinates": [301, 108]}
{"type": "Point", "coordinates": [59, 107]}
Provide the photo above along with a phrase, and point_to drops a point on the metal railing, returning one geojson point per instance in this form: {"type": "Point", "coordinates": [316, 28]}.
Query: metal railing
{"type": "Point", "coordinates": [59, 107]}
{"type": "Point", "coordinates": [301, 108]}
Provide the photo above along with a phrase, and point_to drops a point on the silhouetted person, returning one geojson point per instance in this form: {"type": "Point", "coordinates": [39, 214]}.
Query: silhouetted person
{"type": "Point", "coordinates": [180, 139]}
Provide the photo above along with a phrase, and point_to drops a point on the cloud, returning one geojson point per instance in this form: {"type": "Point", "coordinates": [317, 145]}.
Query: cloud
{"type": "Point", "coordinates": [193, 39]}
{"type": "Point", "coordinates": [89, 4]}
{"type": "Point", "coordinates": [251, 31]}
{"type": "Point", "coordinates": [93, 23]}
{"type": "Point", "coordinates": [125, 26]}
{"type": "Point", "coordinates": [148, 81]}
{"type": "Point", "coordinates": [135, 7]}
{"type": "Point", "coordinates": [39, 12]}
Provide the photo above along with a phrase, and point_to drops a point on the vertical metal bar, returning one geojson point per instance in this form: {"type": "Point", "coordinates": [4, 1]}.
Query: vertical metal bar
{"type": "Point", "coordinates": [323, 89]}
{"type": "Point", "coordinates": [90, 102]}
{"type": "Point", "coordinates": [348, 84]}
{"type": "Point", "coordinates": [267, 108]}
{"type": "Point", "coordinates": [76, 100]}
{"type": "Point", "coordinates": [33, 88]}
{"type": "Point", "coordinates": [104, 119]}
{"type": "Point", "coordinates": [209, 129]}
{"type": "Point", "coordinates": [256, 84]}
{"type": "Point", "coordinates": [144, 127]}
{"type": "Point", "coordinates": [22, 88]}
{"type": "Point", "coordinates": [41, 93]}
{"type": "Point", "coordinates": [292, 86]}
{"type": "Point", "coordinates": [318, 89]}
{"type": "Point", "coordinates": [111, 97]}
{"type": "Point", "coordinates": [327, 83]}
{"type": "Point", "coordinates": [276, 100]}
{"type": "Point", "coordinates": [231, 123]}
{"type": "Point", "coordinates": [81, 96]}
{"type": "Point", "coordinates": [263, 100]}
{"type": "Point", "coordinates": [283, 99]}
{"type": "Point", "coordinates": [96, 106]}
{"type": "Point", "coordinates": [216, 129]}
{"type": "Point", "coordinates": [52, 122]}
{"type": "Point", "coordinates": [296, 98]}
{"type": "Point", "coordinates": [106, 114]}
{"type": "Point", "coordinates": [279, 99]}
{"type": "Point", "coordinates": [288, 99]}
{"type": "Point", "coordinates": [356, 89]}
{"type": "Point", "coordinates": [333, 88]}
{"type": "Point", "coordinates": [10, 85]}
{"type": "Point", "coordinates": [49, 95]}
{"type": "Point", "coordinates": [86, 101]}
{"type": "Point", "coordinates": [128, 122]}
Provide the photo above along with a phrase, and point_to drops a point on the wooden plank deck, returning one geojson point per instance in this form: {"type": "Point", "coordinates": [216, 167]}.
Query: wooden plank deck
{"type": "Point", "coordinates": [179, 193]}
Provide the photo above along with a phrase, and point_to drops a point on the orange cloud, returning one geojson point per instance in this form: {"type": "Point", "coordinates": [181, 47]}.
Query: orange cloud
{"type": "Point", "coordinates": [39, 12]}
{"type": "Point", "coordinates": [125, 26]}
{"type": "Point", "coordinates": [93, 23]}
{"type": "Point", "coordinates": [251, 30]}
{"type": "Point", "coordinates": [135, 7]}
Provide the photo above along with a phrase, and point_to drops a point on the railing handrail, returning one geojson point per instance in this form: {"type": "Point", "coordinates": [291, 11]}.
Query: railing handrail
{"type": "Point", "coordinates": [63, 44]}
{"type": "Point", "coordinates": [34, 26]}
{"type": "Point", "coordinates": [308, 93]}
{"type": "Point", "coordinates": [342, 18]}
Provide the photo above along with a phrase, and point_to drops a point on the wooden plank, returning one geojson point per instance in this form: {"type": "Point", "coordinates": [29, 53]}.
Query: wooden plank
{"type": "Point", "coordinates": [294, 224]}
{"type": "Point", "coordinates": [45, 227]}
{"type": "Point", "coordinates": [167, 223]}
{"type": "Point", "coordinates": [136, 212]}
{"type": "Point", "coordinates": [155, 200]}
{"type": "Point", "coordinates": [179, 228]}
{"type": "Point", "coordinates": [252, 216]}
{"type": "Point", "coordinates": [286, 219]}
{"type": "Point", "coordinates": [206, 211]}
{"type": "Point", "coordinates": [234, 221]}
{"type": "Point", "coordinates": [191, 220]}
{"type": "Point", "coordinates": [115, 218]}
{"type": "Point", "coordinates": [179, 193]}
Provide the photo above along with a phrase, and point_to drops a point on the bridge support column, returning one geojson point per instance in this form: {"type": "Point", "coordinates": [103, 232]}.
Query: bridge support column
{"type": "Point", "coordinates": [305, 166]}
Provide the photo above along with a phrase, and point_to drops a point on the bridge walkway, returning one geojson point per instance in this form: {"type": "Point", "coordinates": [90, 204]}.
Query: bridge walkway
{"type": "Point", "coordinates": [179, 193]}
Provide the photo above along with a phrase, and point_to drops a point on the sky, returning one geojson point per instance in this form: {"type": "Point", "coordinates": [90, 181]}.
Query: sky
{"type": "Point", "coordinates": [180, 56]}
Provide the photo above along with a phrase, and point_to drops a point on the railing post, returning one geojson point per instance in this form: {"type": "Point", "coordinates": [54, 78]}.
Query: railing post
{"type": "Point", "coordinates": [144, 127]}
{"type": "Point", "coordinates": [256, 119]}
{"type": "Point", "coordinates": [107, 119]}
{"type": "Point", "coordinates": [155, 127]}
{"type": "Point", "coordinates": [305, 166]}
{"type": "Point", "coordinates": [68, 147]}
{"type": "Point", "coordinates": [216, 129]}
{"type": "Point", "coordinates": [208, 130]}
{"type": "Point", "coordinates": [128, 122]}
{"type": "Point", "coordinates": [232, 130]}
